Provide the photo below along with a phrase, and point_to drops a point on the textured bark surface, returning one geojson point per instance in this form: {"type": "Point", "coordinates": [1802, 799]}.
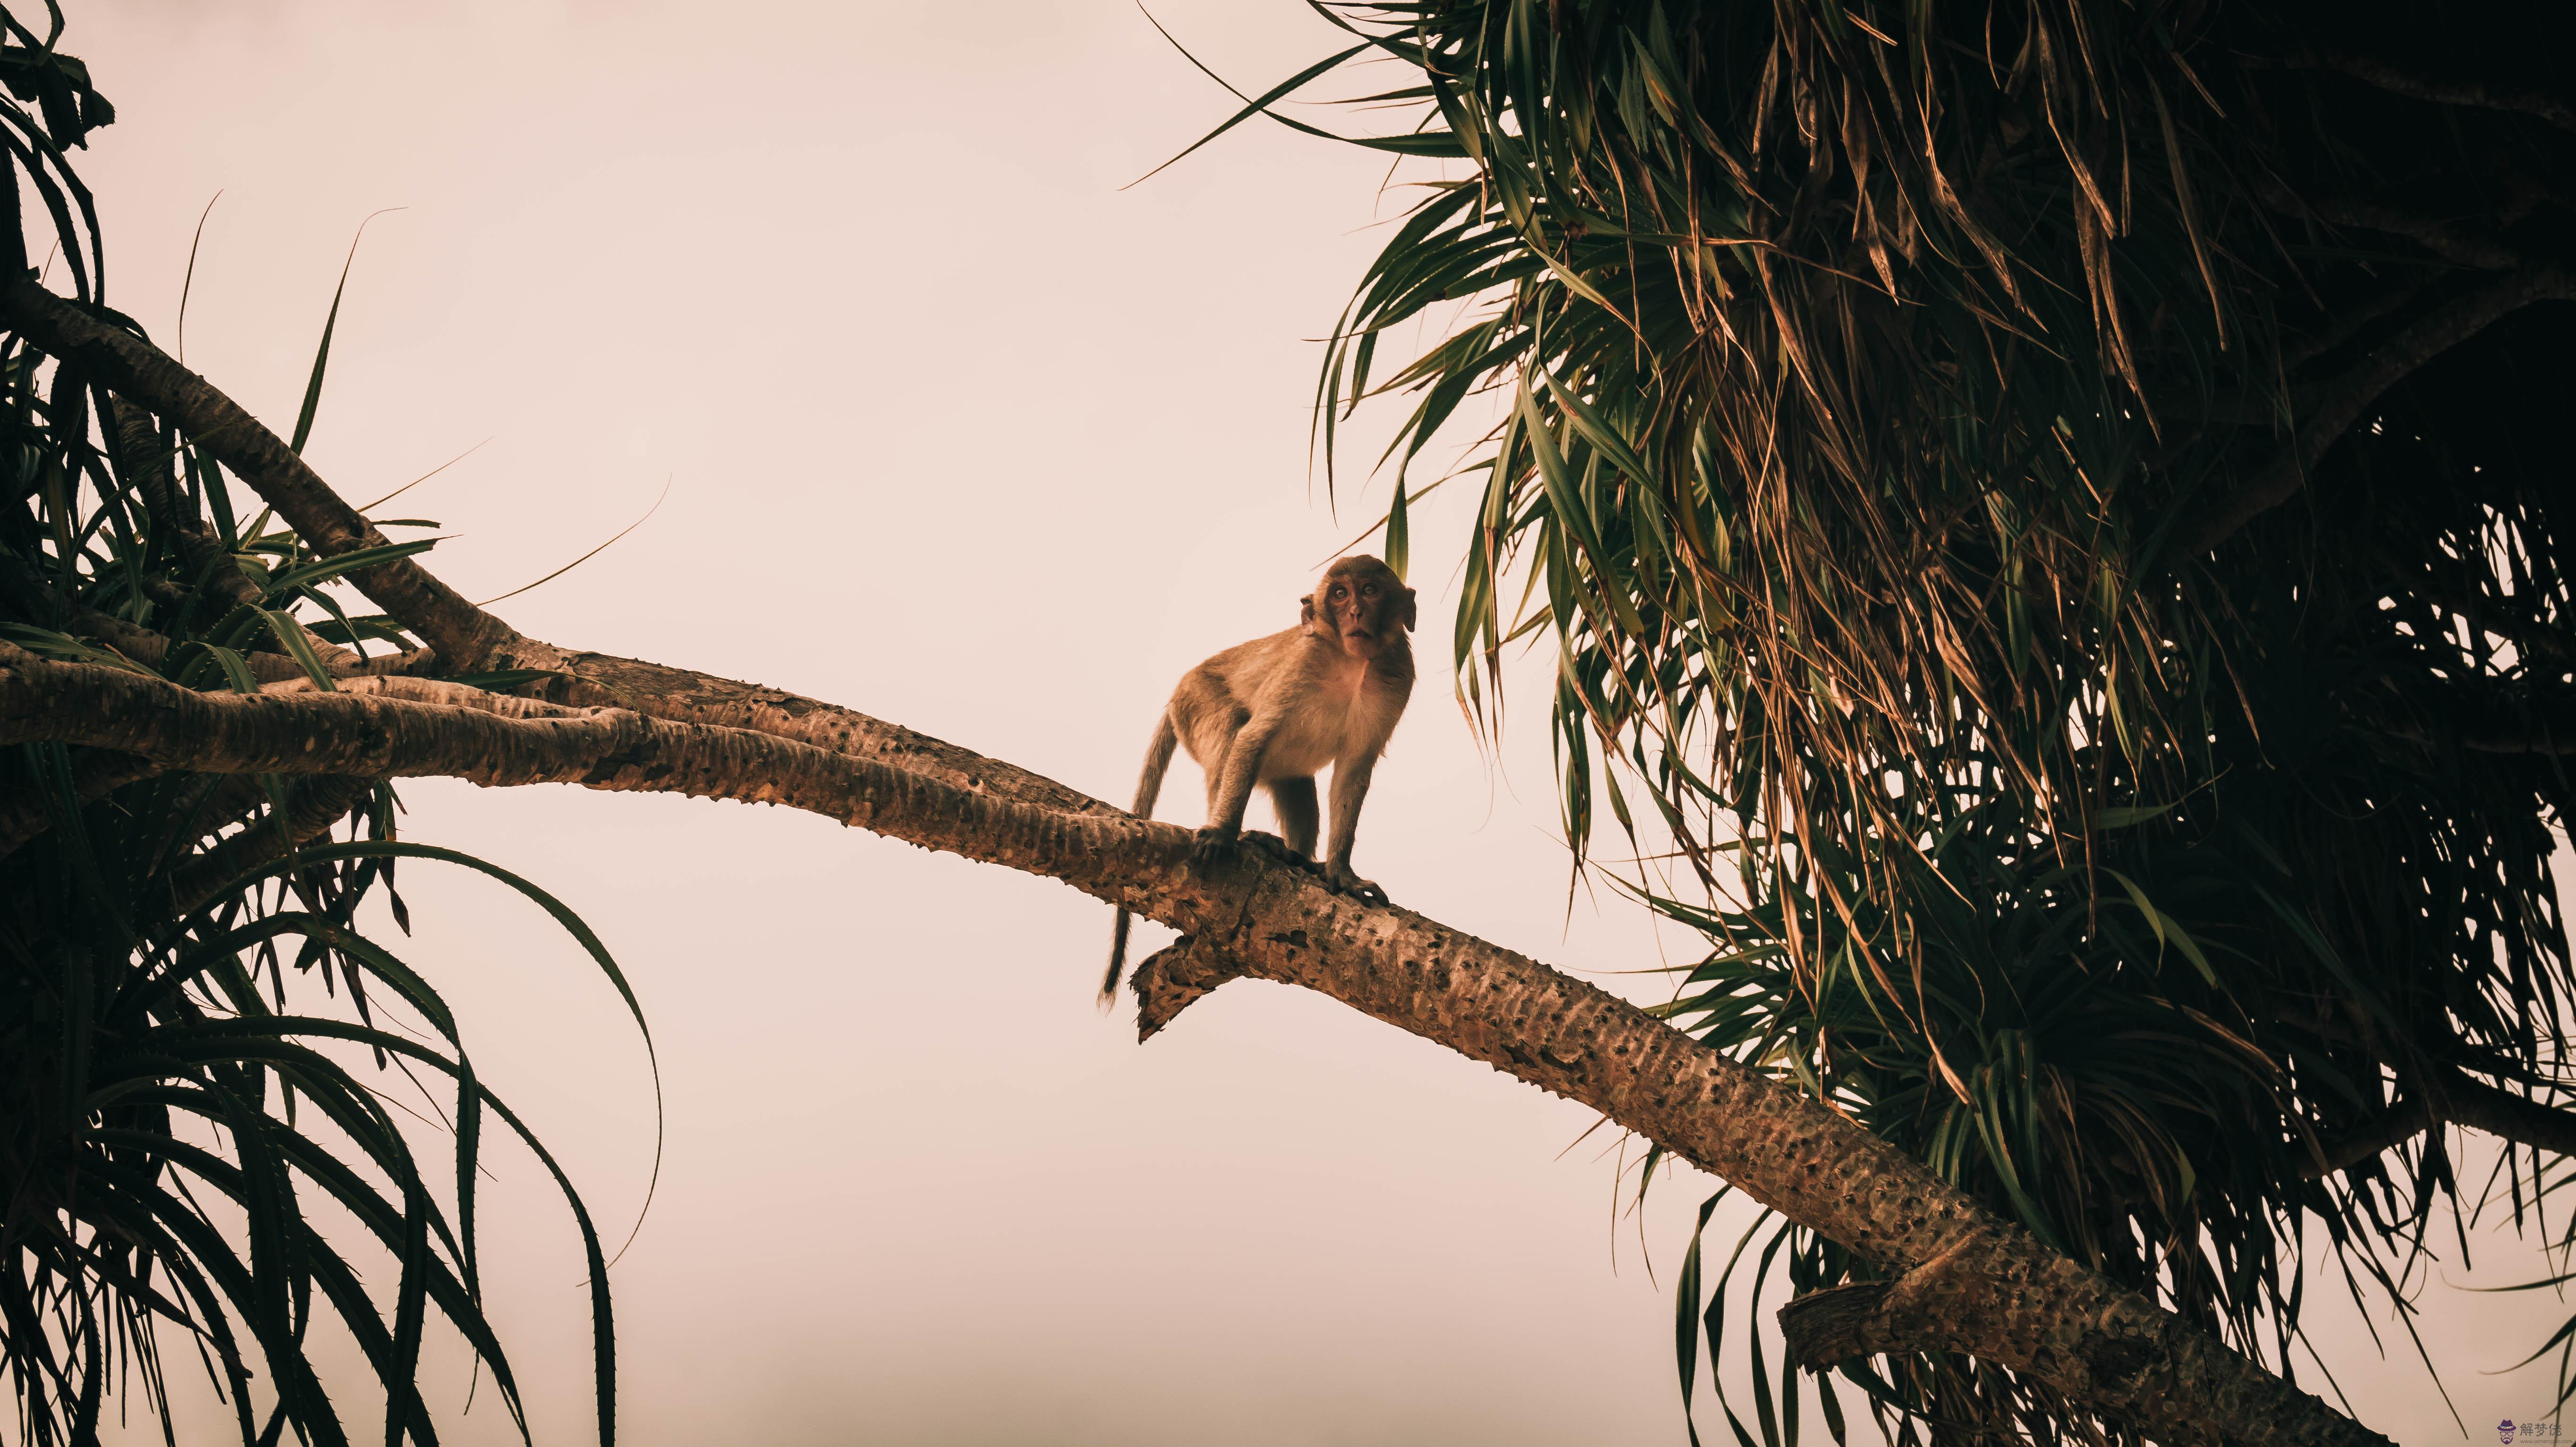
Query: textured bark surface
{"type": "Point", "coordinates": [1167, 981]}
{"type": "Point", "coordinates": [31, 597]}
{"type": "Point", "coordinates": [1994, 1291]}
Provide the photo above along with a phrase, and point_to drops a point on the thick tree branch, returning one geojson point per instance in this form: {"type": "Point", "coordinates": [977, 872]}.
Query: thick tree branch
{"type": "Point", "coordinates": [2071, 1330]}
{"type": "Point", "coordinates": [145, 456]}
{"type": "Point", "coordinates": [2401, 1124]}
{"type": "Point", "coordinates": [2349, 396]}
{"type": "Point", "coordinates": [315, 805]}
{"type": "Point", "coordinates": [2453, 1097]}
{"type": "Point", "coordinates": [2347, 322]}
{"type": "Point", "coordinates": [151, 649]}
{"type": "Point", "coordinates": [1872, 1318]}
{"type": "Point", "coordinates": [2466, 248]}
{"type": "Point", "coordinates": [32, 598]}
{"type": "Point", "coordinates": [2479, 1106]}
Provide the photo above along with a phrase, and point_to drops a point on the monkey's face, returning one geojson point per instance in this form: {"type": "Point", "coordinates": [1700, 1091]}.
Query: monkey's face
{"type": "Point", "coordinates": [1362, 605]}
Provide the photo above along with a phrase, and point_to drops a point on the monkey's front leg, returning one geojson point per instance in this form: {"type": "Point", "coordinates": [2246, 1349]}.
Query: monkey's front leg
{"type": "Point", "coordinates": [1350, 788]}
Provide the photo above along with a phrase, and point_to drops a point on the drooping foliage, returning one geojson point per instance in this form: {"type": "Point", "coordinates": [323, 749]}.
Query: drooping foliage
{"type": "Point", "coordinates": [2049, 510]}
{"type": "Point", "coordinates": [194, 1047]}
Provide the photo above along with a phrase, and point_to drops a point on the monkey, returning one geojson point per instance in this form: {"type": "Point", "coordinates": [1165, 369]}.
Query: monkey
{"type": "Point", "coordinates": [1275, 710]}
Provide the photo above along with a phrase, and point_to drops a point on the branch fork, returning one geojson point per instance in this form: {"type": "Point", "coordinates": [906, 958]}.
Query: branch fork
{"type": "Point", "coordinates": [1172, 978]}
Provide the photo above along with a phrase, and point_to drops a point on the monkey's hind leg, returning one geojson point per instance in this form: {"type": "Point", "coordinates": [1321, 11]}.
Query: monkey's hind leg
{"type": "Point", "coordinates": [1230, 787]}
{"type": "Point", "coordinates": [1217, 835]}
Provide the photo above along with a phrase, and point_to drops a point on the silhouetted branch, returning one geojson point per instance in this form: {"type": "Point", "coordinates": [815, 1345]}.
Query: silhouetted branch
{"type": "Point", "coordinates": [2451, 243]}
{"type": "Point", "coordinates": [2440, 92]}
{"type": "Point", "coordinates": [2401, 1124]}
{"type": "Point", "coordinates": [2447, 1096]}
{"type": "Point", "coordinates": [2342, 401]}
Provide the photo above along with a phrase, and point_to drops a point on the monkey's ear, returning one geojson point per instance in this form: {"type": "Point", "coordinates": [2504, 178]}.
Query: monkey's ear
{"type": "Point", "coordinates": [1412, 613]}
{"type": "Point", "coordinates": [1306, 611]}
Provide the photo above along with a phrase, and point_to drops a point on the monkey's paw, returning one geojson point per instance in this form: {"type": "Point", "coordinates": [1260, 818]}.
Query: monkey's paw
{"type": "Point", "coordinates": [1277, 848]}
{"type": "Point", "coordinates": [1340, 880]}
{"type": "Point", "coordinates": [1211, 843]}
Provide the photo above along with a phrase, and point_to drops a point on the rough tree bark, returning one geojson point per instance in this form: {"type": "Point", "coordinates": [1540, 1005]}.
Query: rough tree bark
{"type": "Point", "coordinates": [1962, 1279]}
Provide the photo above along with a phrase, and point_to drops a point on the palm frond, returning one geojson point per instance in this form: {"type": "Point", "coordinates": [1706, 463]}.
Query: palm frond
{"type": "Point", "coordinates": [1897, 405]}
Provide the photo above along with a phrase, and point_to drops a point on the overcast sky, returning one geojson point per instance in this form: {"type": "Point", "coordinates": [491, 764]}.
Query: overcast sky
{"type": "Point", "coordinates": [959, 433]}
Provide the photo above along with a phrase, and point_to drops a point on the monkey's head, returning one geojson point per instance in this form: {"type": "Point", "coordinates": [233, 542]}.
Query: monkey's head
{"type": "Point", "coordinates": [1362, 605]}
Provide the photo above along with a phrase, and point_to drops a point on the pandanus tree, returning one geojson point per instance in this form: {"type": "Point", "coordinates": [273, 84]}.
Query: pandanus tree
{"type": "Point", "coordinates": [187, 1002]}
{"type": "Point", "coordinates": [2048, 511]}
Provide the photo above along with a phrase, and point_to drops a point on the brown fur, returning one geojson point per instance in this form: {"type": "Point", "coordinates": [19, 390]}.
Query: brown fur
{"type": "Point", "coordinates": [1276, 710]}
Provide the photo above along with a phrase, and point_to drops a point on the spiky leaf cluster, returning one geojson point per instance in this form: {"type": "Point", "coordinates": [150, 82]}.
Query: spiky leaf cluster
{"type": "Point", "coordinates": [194, 1049]}
{"type": "Point", "coordinates": [2051, 509]}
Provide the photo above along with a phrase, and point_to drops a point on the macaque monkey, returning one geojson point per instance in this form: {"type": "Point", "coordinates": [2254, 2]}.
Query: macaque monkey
{"type": "Point", "coordinates": [1276, 710]}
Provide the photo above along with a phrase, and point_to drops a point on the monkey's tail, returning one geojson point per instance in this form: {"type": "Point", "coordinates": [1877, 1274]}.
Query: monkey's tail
{"type": "Point", "coordinates": [1158, 757]}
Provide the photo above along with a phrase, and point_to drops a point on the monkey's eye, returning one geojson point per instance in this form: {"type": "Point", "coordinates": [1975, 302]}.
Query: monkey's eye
{"type": "Point", "coordinates": [1369, 591]}
{"type": "Point", "coordinates": [1339, 590]}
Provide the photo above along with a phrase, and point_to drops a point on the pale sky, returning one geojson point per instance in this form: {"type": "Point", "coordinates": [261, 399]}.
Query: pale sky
{"type": "Point", "coordinates": [961, 434]}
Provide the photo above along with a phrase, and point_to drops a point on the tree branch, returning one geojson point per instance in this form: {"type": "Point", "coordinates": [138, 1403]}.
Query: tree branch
{"type": "Point", "coordinates": [2347, 323]}
{"type": "Point", "coordinates": [2440, 92]}
{"type": "Point", "coordinates": [2450, 1096]}
{"type": "Point", "coordinates": [23, 816]}
{"type": "Point", "coordinates": [2479, 1106]}
{"type": "Point", "coordinates": [2402, 1123]}
{"type": "Point", "coordinates": [313, 807]}
{"type": "Point", "coordinates": [32, 598]}
{"type": "Point", "coordinates": [463, 634]}
{"type": "Point", "coordinates": [2347, 397]}
{"type": "Point", "coordinates": [2529, 727]}
{"type": "Point", "coordinates": [1873, 1318]}
{"type": "Point", "coordinates": [1170, 979]}
{"type": "Point", "coordinates": [145, 456]}
{"type": "Point", "coordinates": [2540, 738]}
{"type": "Point", "coordinates": [2071, 1330]}
{"type": "Point", "coordinates": [2444, 240]}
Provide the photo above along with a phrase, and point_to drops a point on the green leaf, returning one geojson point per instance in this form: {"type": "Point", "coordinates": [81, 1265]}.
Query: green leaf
{"type": "Point", "coordinates": [322, 353]}
{"type": "Point", "coordinates": [323, 570]}
{"type": "Point", "coordinates": [2165, 927]}
{"type": "Point", "coordinates": [291, 638]}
